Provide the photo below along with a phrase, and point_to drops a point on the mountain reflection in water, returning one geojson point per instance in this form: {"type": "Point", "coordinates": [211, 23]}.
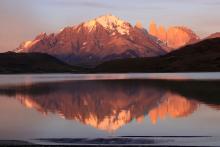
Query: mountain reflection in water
{"type": "Point", "coordinates": [109, 105]}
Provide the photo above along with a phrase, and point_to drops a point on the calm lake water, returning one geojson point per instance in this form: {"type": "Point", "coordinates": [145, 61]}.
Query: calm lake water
{"type": "Point", "coordinates": [185, 107]}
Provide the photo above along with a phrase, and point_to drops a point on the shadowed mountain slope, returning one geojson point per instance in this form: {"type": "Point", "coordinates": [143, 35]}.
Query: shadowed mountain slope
{"type": "Point", "coordinates": [199, 57]}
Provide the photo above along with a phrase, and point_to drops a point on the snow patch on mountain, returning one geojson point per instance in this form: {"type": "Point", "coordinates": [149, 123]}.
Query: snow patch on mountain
{"type": "Point", "coordinates": [110, 23]}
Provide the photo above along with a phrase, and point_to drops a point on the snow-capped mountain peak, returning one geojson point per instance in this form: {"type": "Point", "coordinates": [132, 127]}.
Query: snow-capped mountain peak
{"type": "Point", "coordinates": [110, 23]}
{"type": "Point", "coordinates": [95, 41]}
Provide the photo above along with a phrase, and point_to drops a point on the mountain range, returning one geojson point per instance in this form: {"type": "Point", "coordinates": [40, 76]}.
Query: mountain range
{"type": "Point", "coordinates": [110, 44]}
{"type": "Point", "coordinates": [101, 39]}
{"type": "Point", "coordinates": [174, 37]}
{"type": "Point", "coordinates": [108, 38]}
{"type": "Point", "coordinates": [198, 57]}
{"type": "Point", "coordinates": [203, 56]}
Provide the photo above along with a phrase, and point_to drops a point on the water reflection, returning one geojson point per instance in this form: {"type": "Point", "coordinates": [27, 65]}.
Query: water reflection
{"type": "Point", "coordinates": [109, 105]}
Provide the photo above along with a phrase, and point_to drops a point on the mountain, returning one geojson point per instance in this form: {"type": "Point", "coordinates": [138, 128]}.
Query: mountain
{"type": "Point", "coordinates": [11, 62]}
{"type": "Point", "coordinates": [101, 39]}
{"type": "Point", "coordinates": [174, 37]}
{"type": "Point", "coordinates": [202, 56]}
{"type": "Point", "coordinates": [214, 35]}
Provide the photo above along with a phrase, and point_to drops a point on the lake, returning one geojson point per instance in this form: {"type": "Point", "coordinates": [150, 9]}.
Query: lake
{"type": "Point", "coordinates": [168, 109]}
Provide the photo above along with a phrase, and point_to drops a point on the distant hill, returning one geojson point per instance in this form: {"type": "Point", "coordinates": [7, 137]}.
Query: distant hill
{"type": "Point", "coordinates": [214, 35]}
{"type": "Point", "coordinates": [199, 57]}
{"type": "Point", "coordinates": [11, 62]}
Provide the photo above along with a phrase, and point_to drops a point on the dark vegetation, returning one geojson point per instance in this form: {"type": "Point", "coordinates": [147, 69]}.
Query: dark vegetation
{"type": "Point", "coordinates": [11, 62]}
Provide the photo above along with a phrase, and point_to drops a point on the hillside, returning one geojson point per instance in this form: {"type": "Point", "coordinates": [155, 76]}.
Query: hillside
{"type": "Point", "coordinates": [202, 56]}
{"type": "Point", "coordinates": [32, 63]}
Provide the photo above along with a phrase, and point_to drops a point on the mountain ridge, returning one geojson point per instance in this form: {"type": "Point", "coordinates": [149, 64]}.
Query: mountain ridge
{"type": "Point", "coordinates": [174, 37]}
{"type": "Point", "coordinates": [104, 38]}
{"type": "Point", "coordinates": [198, 57]}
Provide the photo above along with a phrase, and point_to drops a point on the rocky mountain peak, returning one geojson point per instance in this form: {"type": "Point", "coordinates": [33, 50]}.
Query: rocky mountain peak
{"type": "Point", "coordinates": [174, 37]}
{"type": "Point", "coordinates": [92, 42]}
{"type": "Point", "coordinates": [109, 22]}
{"type": "Point", "coordinates": [41, 35]}
{"type": "Point", "coordinates": [139, 25]}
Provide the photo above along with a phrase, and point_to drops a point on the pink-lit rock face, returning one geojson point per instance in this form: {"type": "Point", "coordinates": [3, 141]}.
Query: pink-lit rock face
{"type": "Point", "coordinates": [103, 38]}
{"type": "Point", "coordinates": [174, 37]}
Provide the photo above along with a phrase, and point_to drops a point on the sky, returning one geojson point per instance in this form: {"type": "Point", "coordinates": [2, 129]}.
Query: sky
{"type": "Point", "coordinates": [22, 20]}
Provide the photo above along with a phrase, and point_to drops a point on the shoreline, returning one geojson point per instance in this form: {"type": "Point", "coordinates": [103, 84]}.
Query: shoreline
{"type": "Point", "coordinates": [121, 141]}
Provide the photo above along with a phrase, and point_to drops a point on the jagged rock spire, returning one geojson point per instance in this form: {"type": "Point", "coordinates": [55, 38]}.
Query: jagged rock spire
{"type": "Point", "coordinates": [174, 37]}
{"type": "Point", "coordinates": [139, 24]}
